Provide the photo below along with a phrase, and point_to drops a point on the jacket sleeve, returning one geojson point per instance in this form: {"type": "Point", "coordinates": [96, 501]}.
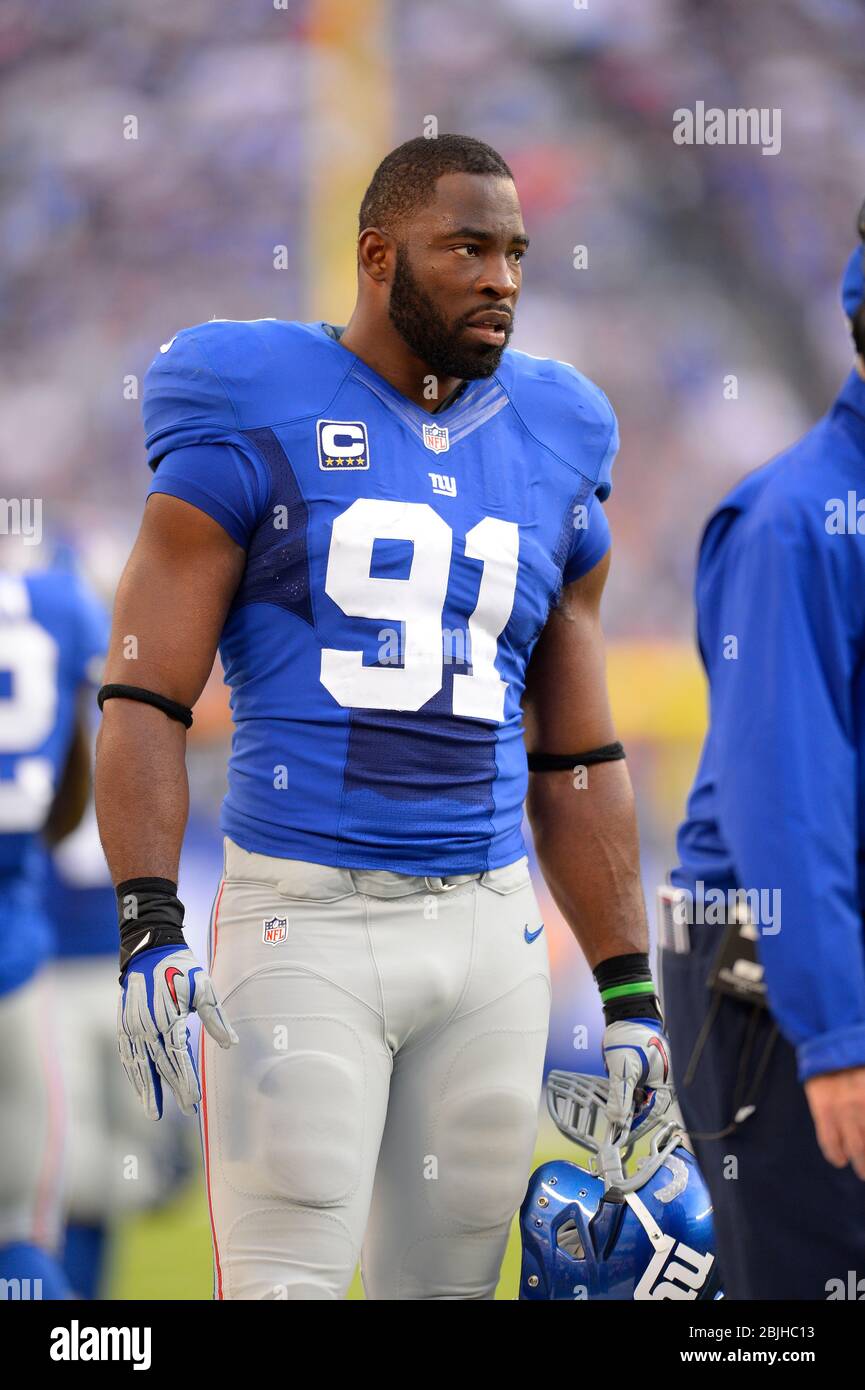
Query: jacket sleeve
{"type": "Point", "coordinates": [782, 714]}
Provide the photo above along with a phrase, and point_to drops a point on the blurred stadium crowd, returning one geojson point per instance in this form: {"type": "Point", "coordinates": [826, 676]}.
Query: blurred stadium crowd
{"type": "Point", "coordinates": [702, 262]}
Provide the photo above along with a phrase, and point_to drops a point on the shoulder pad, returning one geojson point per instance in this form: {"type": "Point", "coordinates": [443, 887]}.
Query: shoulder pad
{"type": "Point", "coordinates": [565, 412]}
{"type": "Point", "coordinates": [226, 376]}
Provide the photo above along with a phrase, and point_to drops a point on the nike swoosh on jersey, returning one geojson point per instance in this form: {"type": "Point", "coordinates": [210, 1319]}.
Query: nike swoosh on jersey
{"type": "Point", "coordinates": [532, 935]}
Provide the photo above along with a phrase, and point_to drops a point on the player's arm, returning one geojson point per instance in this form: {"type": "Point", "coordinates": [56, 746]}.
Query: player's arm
{"type": "Point", "coordinates": [585, 834]}
{"type": "Point", "coordinates": [73, 789]}
{"type": "Point", "coordinates": [170, 608]}
{"type": "Point", "coordinates": [585, 826]}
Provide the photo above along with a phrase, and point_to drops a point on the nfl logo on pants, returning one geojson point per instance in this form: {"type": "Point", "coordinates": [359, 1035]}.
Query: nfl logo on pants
{"type": "Point", "coordinates": [274, 930]}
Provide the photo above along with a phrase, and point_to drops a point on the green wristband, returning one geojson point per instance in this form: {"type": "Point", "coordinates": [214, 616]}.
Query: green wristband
{"type": "Point", "coordinates": [620, 991]}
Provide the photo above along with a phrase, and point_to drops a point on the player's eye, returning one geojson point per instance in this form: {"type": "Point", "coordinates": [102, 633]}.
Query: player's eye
{"type": "Point", "coordinates": [517, 254]}
{"type": "Point", "coordinates": [468, 250]}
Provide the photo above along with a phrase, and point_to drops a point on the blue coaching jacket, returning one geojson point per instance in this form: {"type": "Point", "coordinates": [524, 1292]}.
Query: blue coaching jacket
{"type": "Point", "coordinates": [778, 804]}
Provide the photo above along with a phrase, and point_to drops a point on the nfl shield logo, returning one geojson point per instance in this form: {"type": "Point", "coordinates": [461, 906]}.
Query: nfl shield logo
{"type": "Point", "coordinates": [435, 437]}
{"type": "Point", "coordinates": [274, 931]}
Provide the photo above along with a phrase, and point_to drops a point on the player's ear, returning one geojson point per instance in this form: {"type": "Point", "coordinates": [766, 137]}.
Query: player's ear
{"type": "Point", "coordinates": [375, 254]}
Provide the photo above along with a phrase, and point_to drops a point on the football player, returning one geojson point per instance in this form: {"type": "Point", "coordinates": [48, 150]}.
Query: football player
{"type": "Point", "coordinates": [393, 531]}
{"type": "Point", "coordinates": [51, 632]}
{"type": "Point", "coordinates": [115, 1162]}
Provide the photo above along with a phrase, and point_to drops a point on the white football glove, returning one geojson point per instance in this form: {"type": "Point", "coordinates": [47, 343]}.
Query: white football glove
{"type": "Point", "coordinates": [636, 1056]}
{"type": "Point", "coordinates": [161, 987]}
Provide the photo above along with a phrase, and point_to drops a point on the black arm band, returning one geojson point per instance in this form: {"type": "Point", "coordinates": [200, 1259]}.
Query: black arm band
{"type": "Point", "coordinates": [626, 987]}
{"type": "Point", "coordinates": [561, 762]}
{"type": "Point", "coordinates": [174, 710]}
{"type": "Point", "coordinates": [150, 914]}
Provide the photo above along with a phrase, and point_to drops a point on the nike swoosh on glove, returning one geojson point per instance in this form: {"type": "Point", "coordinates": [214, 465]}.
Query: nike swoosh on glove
{"type": "Point", "coordinates": [161, 988]}
{"type": "Point", "coordinates": [636, 1056]}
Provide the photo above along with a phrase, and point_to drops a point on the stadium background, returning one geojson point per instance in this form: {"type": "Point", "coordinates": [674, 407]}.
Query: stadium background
{"type": "Point", "coordinates": [169, 163]}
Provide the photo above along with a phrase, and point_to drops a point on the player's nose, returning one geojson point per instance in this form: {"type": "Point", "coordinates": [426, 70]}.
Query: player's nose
{"type": "Point", "coordinates": [499, 280]}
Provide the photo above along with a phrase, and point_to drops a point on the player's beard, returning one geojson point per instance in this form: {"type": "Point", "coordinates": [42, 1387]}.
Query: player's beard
{"type": "Point", "coordinates": [429, 335]}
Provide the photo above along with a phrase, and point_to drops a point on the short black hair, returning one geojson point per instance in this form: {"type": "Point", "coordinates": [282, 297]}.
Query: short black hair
{"type": "Point", "coordinates": [406, 178]}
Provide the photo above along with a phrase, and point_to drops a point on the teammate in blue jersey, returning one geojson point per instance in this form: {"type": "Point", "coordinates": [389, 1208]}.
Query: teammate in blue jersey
{"type": "Point", "coordinates": [394, 533]}
{"type": "Point", "coordinates": [51, 631]}
{"type": "Point", "coordinates": [770, 1062]}
{"type": "Point", "coordinates": [106, 1123]}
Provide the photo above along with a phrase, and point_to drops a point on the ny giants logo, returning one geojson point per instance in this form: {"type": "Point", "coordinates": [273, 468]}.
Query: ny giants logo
{"type": "Point", "coordinates": [684, 1272]}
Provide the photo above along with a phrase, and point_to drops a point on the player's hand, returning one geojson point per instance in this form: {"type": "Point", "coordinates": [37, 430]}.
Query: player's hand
{"type": "Point", "coordinates": [837, 1101]}
{"type": "Point", "coordinates": [160, 989]}
{"type": "Point", "coordinates": [636, 1056]}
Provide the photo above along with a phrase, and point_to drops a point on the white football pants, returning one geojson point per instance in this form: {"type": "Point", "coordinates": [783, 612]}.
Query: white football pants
{"type": "Point", "coordinates": [31, 1116]}
{"type": "Point", "coordinates": [384, 1092]}
{"type": "Point", "coordinates": [117, 1160]}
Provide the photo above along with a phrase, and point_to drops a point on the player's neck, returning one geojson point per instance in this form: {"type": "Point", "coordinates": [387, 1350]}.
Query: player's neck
{"type": "Point", "coordinates": [382, 349]}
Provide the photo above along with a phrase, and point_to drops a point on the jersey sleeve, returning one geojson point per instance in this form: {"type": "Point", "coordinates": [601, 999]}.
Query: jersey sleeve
{"type": "Point", "coordinates": [185, 400]}
{"type": "Point", "coordinates": [589, 544]}
{"type": "Point", "coordinates": [231, 486]}
{"type": "Point", "coordinates": [194, 444]}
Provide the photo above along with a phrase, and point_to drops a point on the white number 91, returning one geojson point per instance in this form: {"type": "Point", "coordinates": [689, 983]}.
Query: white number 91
{"type": "Point", "coordinates": [418, 603]}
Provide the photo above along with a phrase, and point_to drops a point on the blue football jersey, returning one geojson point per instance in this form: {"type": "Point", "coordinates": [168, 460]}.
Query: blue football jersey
{"type": "Point", "coordinates": [52, 630]}
{"type": "Point", "coordinates": [400, 567]}
{"type": "Point", "coordinates": [79, 897]}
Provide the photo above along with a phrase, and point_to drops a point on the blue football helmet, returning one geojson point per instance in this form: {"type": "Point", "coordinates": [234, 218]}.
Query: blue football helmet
{"type": "Point", "coordinates": [601, 1233]}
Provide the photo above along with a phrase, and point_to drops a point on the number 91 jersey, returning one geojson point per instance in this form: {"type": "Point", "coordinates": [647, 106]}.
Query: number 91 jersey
{"type": "Point", "coordinates": [400, 567]}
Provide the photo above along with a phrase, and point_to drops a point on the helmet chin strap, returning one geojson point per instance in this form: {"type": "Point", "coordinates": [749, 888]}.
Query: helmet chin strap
{"type": "Point", "coordinates": [648, 1222]}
